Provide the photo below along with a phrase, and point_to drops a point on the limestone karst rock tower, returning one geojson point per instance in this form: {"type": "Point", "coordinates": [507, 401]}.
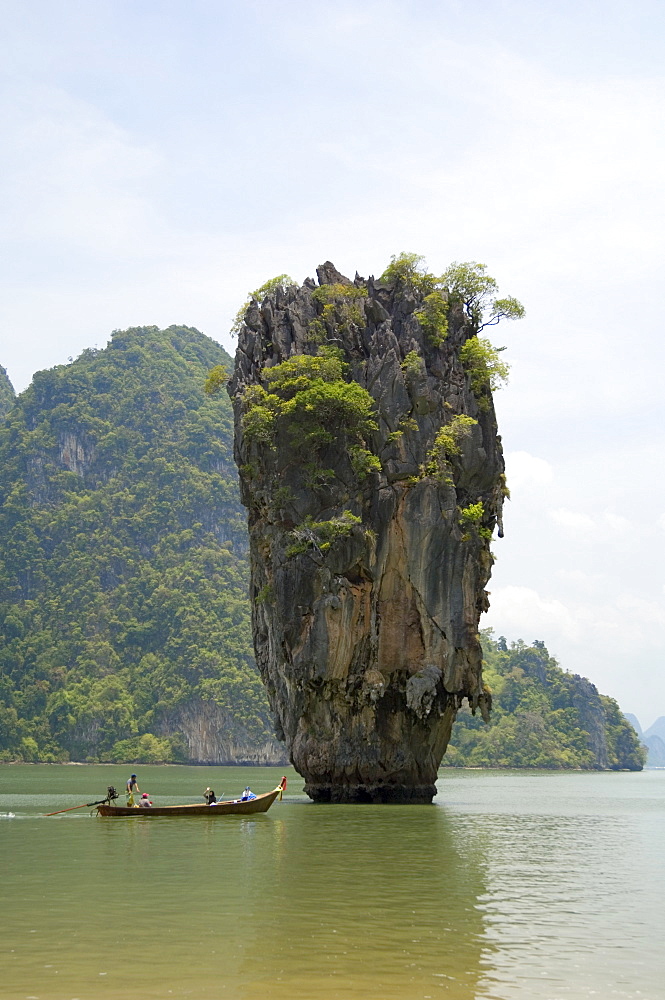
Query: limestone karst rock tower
{"type": "Point", "coordinates": [371, 468]}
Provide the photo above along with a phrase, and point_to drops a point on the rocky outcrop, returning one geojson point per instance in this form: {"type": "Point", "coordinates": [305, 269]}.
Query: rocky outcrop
{"type": "Point", "coordinates": [75, 454]}
{"type": "Point", "coordinates": [586, 700]}
{"type": "Point", "coordinates": [369, 544]}
{"type": "Point", "coordinates": [212, 736]}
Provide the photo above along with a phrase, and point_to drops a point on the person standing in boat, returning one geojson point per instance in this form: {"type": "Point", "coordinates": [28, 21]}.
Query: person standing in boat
{"type": "Point", "coordinates": [132, 789]}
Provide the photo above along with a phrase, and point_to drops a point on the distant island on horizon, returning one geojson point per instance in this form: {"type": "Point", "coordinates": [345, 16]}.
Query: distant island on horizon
{"type": "Point", "coordinates": [652, 738]}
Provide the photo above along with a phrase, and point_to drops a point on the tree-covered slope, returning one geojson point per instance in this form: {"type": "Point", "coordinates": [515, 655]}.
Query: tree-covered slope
{"type": "Point", "coordinates": [7, 394]}
{"type": "Point", "coordinates": [542, 717]}
{"type": "Point", "coordinates": [124, 621]}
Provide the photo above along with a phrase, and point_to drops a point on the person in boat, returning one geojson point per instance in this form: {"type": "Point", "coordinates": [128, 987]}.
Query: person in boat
{"type": "Point", "coordinates": [247, 794]}
{"type": "Point", "coordinates": [210, 797]}
{"type": "Point", "coordinates": [132, 789]}
{"type": "Point", "coordinates": [145, 802]}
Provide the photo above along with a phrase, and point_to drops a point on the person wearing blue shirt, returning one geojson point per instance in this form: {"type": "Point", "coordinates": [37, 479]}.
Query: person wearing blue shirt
{"type": "Point", "coordinates": [132, 789]}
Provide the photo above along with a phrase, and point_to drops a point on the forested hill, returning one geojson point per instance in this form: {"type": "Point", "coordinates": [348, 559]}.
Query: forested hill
{"type": "Point", "coordinates": [7, 394]}
{"type": "Point", "coordinates": [123, 563]}
{"type": "Point", "coordinates": [542, 717]}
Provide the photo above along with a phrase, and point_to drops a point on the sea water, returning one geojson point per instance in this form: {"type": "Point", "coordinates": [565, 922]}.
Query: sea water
{"type": "Point", "coordinates": [512, 885]}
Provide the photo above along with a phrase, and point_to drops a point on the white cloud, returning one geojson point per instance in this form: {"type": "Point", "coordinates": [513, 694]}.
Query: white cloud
{"type": "Point", "coordinates": [522, 612]}
{"type": "Point", "coordinates": [606, 524]}
{"type": "Point", "coordinates": [572, 519]}
{"type": "Point", "coordinates": [641, 612]}
{"type": "Point", "coordinates": [524, 470]}
{"type": "Point", "coordinates": [612, 637]}
{"type": "Point", "coordinates": [577, 577]}
{"type": "Point", "coordinates": [616, 522]}
{"type": "Point", "coordinates": [75, 177]}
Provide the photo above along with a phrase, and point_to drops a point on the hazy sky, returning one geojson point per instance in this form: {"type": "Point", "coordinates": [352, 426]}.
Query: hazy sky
{"type": "Point", "coordinates": [162, 157]}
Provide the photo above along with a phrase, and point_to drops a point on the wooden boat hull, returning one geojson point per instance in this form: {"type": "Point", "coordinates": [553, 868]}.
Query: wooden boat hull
{"type": "Point", "coordinates": [230, 807]}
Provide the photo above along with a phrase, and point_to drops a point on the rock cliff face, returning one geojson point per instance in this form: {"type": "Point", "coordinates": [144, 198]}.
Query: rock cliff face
{"type": "Point", "coordinates": [213, 736]}
{"type": "Point", "coordinates": [369, 545]}
{"type": "Point", "coordinates": [586, 700]}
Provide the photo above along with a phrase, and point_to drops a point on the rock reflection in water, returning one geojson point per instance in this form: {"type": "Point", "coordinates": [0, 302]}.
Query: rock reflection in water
{"type": "Point", "coordinates": [369, 902]}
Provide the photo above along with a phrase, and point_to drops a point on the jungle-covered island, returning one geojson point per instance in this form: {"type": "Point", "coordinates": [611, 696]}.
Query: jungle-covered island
{"type": "Point", "coordinates": [125, 621]}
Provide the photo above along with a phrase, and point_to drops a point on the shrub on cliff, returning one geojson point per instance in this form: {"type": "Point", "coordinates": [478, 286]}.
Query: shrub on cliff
{"type": "Point", "coordinates": [448, 444]}
{"type": "Point", "coordinates": [321, 534]}
{"type": "Point", "coordinates": [340, 307]}
{"type": "Point", "coordinates": [311, 399]}
{"type": "Point", "coordinates": [282, 281]}
{"type": "Point", "coordinates": [411, 269]}
{"type": "Point", "coordinates": [485, 368]}
{"type": "Point", "coordinates": [433, 317]}
{"type": "Point", "coordinates": [469, 284]}
{"type": "Point", "coordinates": [471, 520]}
{"type": "Point", "coordinates": [466, 284]}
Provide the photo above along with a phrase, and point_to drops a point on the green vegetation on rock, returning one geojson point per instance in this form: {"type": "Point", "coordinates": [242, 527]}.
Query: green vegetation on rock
{"type": "Point", "coordinates": [485, 368]}
{"type": "Point", "coordinates": [216, 380]}
{"type": "Point", "coordinates": [340, 308]}
{"type": "Point", "coordinates": [471, 519]}
{"type": "Point", "coordinates": [123, 558]}
{"type": "Point", "coordinates": [310, 399]}
{"type": "Point", "coordinates": [469, 284]}
{"type": "Point", "coordinates": [328, 293]}
{"type": "Point", "coordinates": [448, 444]}
{"type": "Point", "coordinates": [411, 269]}
{"type": "Point", "coordinates": [320, 535]}
{"type": "Point", "coordinates": [282, 281]}
{"type": "Point", "coordinates": [541, 717]}
{"type": "Point", "coordinates": [466, 284]}
{"type": "Point", "coordinates": [462, 285]}
{"type": "Point", "coordinates": [433, 317]}
{"type": "Point", "coordinates": [413, 365]}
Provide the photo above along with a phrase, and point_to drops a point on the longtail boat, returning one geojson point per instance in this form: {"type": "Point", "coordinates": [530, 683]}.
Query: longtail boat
{"type": "Point", "coordinates": [227, 807]}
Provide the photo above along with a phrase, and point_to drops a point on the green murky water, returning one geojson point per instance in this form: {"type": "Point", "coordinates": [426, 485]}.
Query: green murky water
{"type": "Point", "coordinates": [511, 886]}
